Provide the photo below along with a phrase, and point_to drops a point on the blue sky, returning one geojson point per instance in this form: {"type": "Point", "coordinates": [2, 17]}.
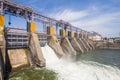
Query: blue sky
{"type": "Point", "coordinates": [102, 16]}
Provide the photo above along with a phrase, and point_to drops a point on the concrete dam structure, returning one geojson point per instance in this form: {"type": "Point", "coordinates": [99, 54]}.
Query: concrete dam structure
{"type": "Point", "coordinates": [22, 48]}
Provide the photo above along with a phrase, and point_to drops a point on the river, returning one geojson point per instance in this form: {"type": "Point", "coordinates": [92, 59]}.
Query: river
{"type": "Point", "coordinates": [103, 56]}
{"type": "Point", "coordinates": [92, 65]}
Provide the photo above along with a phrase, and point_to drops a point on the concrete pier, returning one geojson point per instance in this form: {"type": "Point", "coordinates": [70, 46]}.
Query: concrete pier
{"type": "Point", "coordinates": [36, 52]}
{"type": "Point", "coordinates": [83, 38]}
{"type": "Point", "coordinates": [1, 66]}
{"type": "Point", "coordinates": [74, 42]}
{"type": "Point", "coordinates": [82, 44]}
{"type": "Point", "coordinates": [91, 43]}
{"type": "Point", "coordinates": [67, 47]}
{"type": "Point", "coordinates": [2, 37]}
{"type": "Point", "coordinates": [87, 44]}
{"type": "Point", "coordinates": [76, 45]}
{"type": "Point", "coordinates": [2, 48]}
{"type": "Point", "coordinates": [65, 43]}
{"type": "Point", "coordinates": [55, 45]}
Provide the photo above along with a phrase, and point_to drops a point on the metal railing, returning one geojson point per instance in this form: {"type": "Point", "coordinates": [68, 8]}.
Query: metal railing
{"type": "Point", "coordinates": [17, 40]}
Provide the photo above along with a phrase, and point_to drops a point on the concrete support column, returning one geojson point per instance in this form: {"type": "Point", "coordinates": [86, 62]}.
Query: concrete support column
{"type": "Point", "coordinates": [82, 39]}
{"type": "Point", "coordinates": [83, 35]}
{"type": "Point", "coordinates": [35, 49]}
{"type": "Point", "coordinates": [34, 46]}
{"type": "Point", "coordinates": [65, 44]}
{"type": "Point", "coordinates": [88, 42]}
{"type": "Point", "coordinates": [79, 41]}
{"type": "Point", "coordinates": [2, 45]}
{"type": "Point", "coordinates": [72, 34]}
{"type": "Point", "coordinates": [76, 45]}
{"type": "Point", "coordinates": [77, 35]}
{"type": "Point", "coordinates": [54, 43]}
{"type": "Point", "coordinates": [74, 42]}
{"type": "Point", "coordinates": [85, 41]}
{"type": "Point", "coordinates": [2, 38]}
{"type": "Point", "coordinates": [91, 43]}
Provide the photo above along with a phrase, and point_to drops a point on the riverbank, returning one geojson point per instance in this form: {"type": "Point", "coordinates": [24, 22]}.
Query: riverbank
{"type": "Point", "coordinates": [107, 45]}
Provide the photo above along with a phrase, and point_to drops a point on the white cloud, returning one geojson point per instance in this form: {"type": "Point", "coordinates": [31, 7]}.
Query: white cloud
{"type": "Point", "coordinates": [69, 15]}
{"type": "Point", "coordinates": [101, 19]}
{"type": "Point", "coordinates": [91, 20]}
{"type": "Point", "coordinates": [106, 24]}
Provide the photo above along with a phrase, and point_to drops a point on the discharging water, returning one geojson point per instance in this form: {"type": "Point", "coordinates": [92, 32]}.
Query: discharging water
{"type": "Point", "coordinates": [85, 68]}
{"type": "Point", "coordinates": [95, 65]}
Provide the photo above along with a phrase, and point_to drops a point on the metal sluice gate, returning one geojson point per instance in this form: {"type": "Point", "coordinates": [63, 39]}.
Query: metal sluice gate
{"type": "Point", "coordinates": [19, 38]}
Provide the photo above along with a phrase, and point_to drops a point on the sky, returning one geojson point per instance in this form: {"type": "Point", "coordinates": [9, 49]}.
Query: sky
{"type": "Point", "coordinates": [102, 16]}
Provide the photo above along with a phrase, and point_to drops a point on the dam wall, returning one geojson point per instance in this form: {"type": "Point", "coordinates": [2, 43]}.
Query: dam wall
{"type": "Point", "coordinates": [22, 47]}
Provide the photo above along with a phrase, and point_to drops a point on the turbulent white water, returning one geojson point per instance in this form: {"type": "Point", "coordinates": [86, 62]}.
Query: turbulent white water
{"type": "Point", "coordinates": [82, 70]}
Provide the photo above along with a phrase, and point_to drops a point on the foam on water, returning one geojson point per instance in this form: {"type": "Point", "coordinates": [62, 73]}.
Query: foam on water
{"type": "Point", "coordinates": [82, 70]}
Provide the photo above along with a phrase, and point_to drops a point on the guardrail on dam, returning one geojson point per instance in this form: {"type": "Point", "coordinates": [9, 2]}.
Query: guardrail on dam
{"type": "Point", "coordinates": [20, 48]}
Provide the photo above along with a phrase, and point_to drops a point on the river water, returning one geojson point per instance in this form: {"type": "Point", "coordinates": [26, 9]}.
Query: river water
{"type": "Point", "coordinates": [92, 65]}
{"type": "Point", "coordinates": [104, 56]}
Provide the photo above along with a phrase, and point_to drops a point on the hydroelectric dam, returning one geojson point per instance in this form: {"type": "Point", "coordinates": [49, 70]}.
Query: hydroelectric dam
{"type": "Point", "coordinates": [59, 40]}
